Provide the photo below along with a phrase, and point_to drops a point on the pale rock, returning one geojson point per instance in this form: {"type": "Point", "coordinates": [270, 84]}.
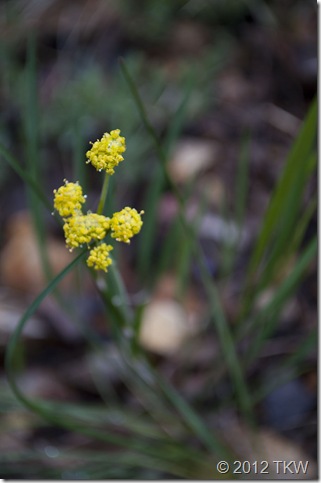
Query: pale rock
{"type": "Point", "coordinates": [164, 327]}
{"type": "Point", "coordinates": [20, 261]}
{"type": "Point", "coordinates": [190, 158]}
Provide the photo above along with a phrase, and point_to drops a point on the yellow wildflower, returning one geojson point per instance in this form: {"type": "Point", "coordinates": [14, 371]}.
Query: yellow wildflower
{"type": "Point", "coordinates": [68, 199]}
{"type": "Point", "coordinates": [106, 153]}
{"type": "Point", "coordinates": [125, 224]}
{"type": "Point", "coordinates": [99, 257]}
{"type": "Point", "coordinates": [80, 229]}
{"type": "Point", "coordinates": [91, 229]}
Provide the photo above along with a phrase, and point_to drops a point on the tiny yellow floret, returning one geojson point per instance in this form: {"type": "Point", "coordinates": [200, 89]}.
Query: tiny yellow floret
{"type": "Point", "coordinates": [99, 257]}
{"type": "Point", "coordinates": [68, 199]}
{"type": "Point", "coordinates": [106, 153]}
{"type": "Point", "coordinates": [80, 229]}
{"type": "Point", "coordinates": [125, 224]}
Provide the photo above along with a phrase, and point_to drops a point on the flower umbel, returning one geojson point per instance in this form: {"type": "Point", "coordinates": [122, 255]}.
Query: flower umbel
{"type": "Point", "coordinates": [106, 153]}
{"type": "Point", "coordinates": [125, 224]}
{"type": "Point", "coordinates": [80, 229]}
{"type": "Point", "coordinates": [68, 199]}
{"type": "Point", "coordinates": [99, 257]}
{"type": "Point", "coordinates": [92, 228]}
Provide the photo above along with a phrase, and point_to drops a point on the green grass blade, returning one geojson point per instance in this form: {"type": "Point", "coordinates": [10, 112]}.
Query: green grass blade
{"type": "Point", "coordinates": [229, 250]}
{"type": "Point", "coordinates": [43, 408]}
{"type": "Point", "coordinates": [228, 349]}
{"type": "Point", "coordinates": [242, 180]}
{"type": "Point", "coordinates": [268, 318]}
{"type": "Point", "coordinates": [31, 131]}
{"type": "Point", "coordinates": [177, 121]}
{"type": "Point", "coordinates": [302, 226]}
{"type": "Point", "coordinates": [169, 247]}
{"type": "Point", "coordinates": [148, 235]}
{"type": "Point", "coordinates": [26, 177]}
{"type": "Point", "coordinates": [14, 340]}
{"type": "Point", "coordinates": [290, 368]}
{"type": "Point", "coordinates": [183, 265]}
{"type": "Point", "coordinates": [141, 110]}
{"type": "Point", "coordinates": [154, 192]}
{"type": "Point", "coordinates": [79, 164]}
{"type": "Point", "coordinates": [217, 313]}
{"type": "Point", "coordinates": [287, 224]}
{"type": "Point", "coordinates": [195, 423]}
{"type": "Point", "coordinates": [294, 175]}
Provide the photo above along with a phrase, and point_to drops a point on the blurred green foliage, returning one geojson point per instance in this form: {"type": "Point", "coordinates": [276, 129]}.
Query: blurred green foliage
{"type": "Point", "coordinates": [165, 436]}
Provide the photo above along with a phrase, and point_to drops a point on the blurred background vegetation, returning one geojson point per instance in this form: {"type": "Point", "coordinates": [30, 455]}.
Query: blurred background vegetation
{"type": "Point", "coordinates": [216, 101]}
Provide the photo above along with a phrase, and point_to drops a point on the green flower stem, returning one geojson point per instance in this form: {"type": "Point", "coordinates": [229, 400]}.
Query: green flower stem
{"type": "Point", "coordinates": [108, 291]}
{"type": "Point", "coordinates": [122, 317]}
{"type": "Point", "coordinates": [103, 195]}
{"type": "Point", "coordinates": [122, 292]}
{"type": "Point", "coordinates": [50, 411]}
{"type": "Point", "coordinates": [116, 279]}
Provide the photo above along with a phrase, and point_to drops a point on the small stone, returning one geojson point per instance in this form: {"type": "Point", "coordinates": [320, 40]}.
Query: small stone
{"type": "Point", "coordinates": [190, 158]}
{"type": "Point", "coordinates": [164, 327]}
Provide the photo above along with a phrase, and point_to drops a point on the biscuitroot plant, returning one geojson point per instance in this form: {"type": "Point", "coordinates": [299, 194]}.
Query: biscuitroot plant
{"type": "Point", "coordinates": [94, 234]}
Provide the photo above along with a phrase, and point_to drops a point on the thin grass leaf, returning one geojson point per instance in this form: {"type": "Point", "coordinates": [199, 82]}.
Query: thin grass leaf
{"type": "Point", "coordinates": [147, 239]}
{"type": "Point", "coordinates": [177, 121]}
{"type": "Point", "coordinates": [31, 130]}
{"type": "Point", "coordinates": [10, 356]}
{"type": "Point", "coordinates": [302, 226]}
{"type": "Point", "coordinates": [228, 349]}
{"type": "Point", "coordinates": [86, 457]}
{"type": "Point", "coordinates": [287, 224]}
{"type": "Point", "coordinates": [169, 247]}
{"type": "Point", "coordinates": [183, 265]}
{"type": "Point", "coordinates": [148, 235]}
{"type": "Point", "coordinates": [113, 417]}
{"type": "Point", "coordinates": [26, 177]}
{"type": "Point", "coordinates": [242, 180]}
{"type": "Point", "coordinates": [230, 250]}
{"type": "Point", "coordinates": [103, 467]}
{"type": "Point", "coordinates": [218, 316]}
{"type": "Point", "coordinates": [296, 170]}
{"type": "Point", "coordinates": [142, 372]}
{"type": "Point", "coordinates": [137, 322]}
{"type": "Point", "coordinates": [184, 246]}
{"type": "Point", "coordinates": [79, 165]}
{"type": "Point", "coordinates": [269, 316]}
{"type": "Point", "coordinates": [290, 368]}
{"type": "Point", "coordinates": [31, 117]}
{"type": "Point", "coordinates": [152, 400]}
{"type": "Point", "coordinates": [210, 441]}
{"type": "Point", "coordinates": [141, 110]}
{"type": "Point", "coordinates": [43, 408]}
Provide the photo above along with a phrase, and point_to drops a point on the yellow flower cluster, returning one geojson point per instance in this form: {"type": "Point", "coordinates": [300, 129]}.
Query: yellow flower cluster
{"type": "Point", "coordinates": [125, 224]}
{"type": "Point", "coordinates": [99, 257]}
{"type": "Point", "coordinates": [68, 199]}
{"type": "Point", "coordinates": [80, 229]}
{"type": "Point", "coordinates": [106, 153]}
